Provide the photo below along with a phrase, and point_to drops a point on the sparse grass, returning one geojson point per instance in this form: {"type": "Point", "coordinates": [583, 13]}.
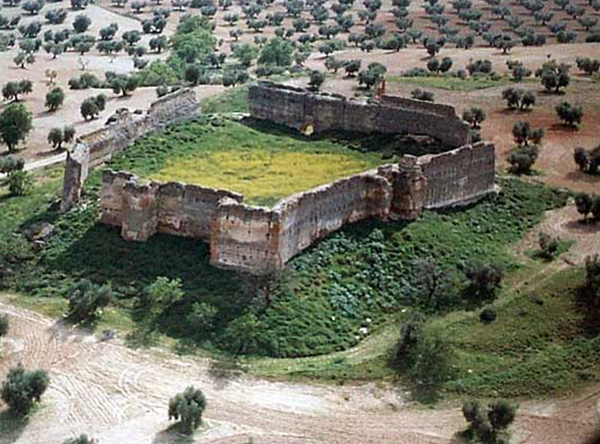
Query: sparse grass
{"type": "Point", "coordinates": [452, 83]}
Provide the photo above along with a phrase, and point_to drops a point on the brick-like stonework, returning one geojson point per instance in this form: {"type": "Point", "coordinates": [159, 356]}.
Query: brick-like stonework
{"type": "Point", "coordinates": [262, 240]}
{"type": "Point", "coordinates": [298, 108]}
{"type": "Point", "coordinates": [95, 148]}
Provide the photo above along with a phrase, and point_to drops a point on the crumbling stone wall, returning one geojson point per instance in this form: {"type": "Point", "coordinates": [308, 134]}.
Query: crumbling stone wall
{"type": "Point", "coordinates": [95, 148]}
{"type": "Point", "coordinates": [298, 108]}
{"type": "Point", "coordinates": [314, 214]}
{"type": "Point", "coordinates": [460, 176]}
{"type": "Point", "coordinates": [263, 240]}
{"type": "Point", "coordinates": [142, 208]}
{"type": "Point", "coordinates": [246, 238]}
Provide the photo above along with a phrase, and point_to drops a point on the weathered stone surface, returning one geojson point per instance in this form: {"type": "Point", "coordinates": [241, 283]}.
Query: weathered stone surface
{"type": "Point", "coordinates": [76, 171]}
{"type": "Point", "coordinates": [460, 176]}
{"type": "Point", "coordinates": [174, 208]}
{"type": "Point", "coordinates": [261, 240]}
{"type": "Point", "coordinates": [39, 231]}
{"type": "Point", "coordinates": [298, 108]}
{"type": "Point", "coordinates": [122, 129]}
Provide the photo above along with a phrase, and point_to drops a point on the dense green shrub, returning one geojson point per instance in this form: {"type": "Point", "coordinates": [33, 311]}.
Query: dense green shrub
{"type": "Point", "coordinates": [85, 299]}
{"type": "Point", "coordinates": [3, 325]}
{"type": "Point", "coordinates": [188, 407]}
{"type": "Point", "coordinates": [22, 389]}
{"type": "Point", "coordinates": [488, 425]}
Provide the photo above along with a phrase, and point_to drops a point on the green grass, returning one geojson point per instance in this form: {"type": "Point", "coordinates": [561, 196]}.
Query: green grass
{"type": "Point", "coordinates": [452, 83]}
{"type": "Point", "coordinates": [263, 167]}
{"type": "Point", "coordinates": [543, 342]}
{"type": "Point", "coordinates": [326, 294]}
{"type": "Point", "coordinates": [234, 100]}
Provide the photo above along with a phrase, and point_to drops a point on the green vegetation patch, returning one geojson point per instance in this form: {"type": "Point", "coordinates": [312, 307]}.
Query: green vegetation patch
{"type": "Point", "coordinates": [346, 286]}
{"type": "Point", "coordinates": [542, 342]}
{"type": "Point", "coordinates": [234, 100]}
{"type": "Point", "coordinates": [453, 83]}
{"type": "Point", "coordinates": [262, 161]}
{"type": "Point", "coordinates": [264, 168]}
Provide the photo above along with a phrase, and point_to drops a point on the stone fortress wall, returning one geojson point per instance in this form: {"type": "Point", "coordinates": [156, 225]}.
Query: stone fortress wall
{"type": "Point", "coordinates": [262, 240]}
{"type": "Point", "coordinates": [296, 108]}
{"type": "Point", "coordinates": [95, 148]}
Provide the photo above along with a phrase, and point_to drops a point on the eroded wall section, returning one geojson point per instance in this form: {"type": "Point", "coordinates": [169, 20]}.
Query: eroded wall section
{"type": "Point", "coordinates": [97, 147]}
{"type": "Point", "coordinates": [297, 108]}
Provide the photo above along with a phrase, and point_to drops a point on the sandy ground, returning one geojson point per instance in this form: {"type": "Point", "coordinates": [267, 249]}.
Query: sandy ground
{"type": "Point", "coordinates": [68, 65]}
{"type": "Point", "coordinates": [120, 395]}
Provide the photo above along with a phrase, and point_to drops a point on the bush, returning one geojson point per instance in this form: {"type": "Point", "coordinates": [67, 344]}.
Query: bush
{"type": "Point", "coordinates": [433, 287]}
{"type": "Point", "coordinates": [484, 280]}
{"type": "Point", "coordinates": [278, 52]}
{"type": "Point", "coordinates": [431, 359]}
{"type": "Point", "coordinates": [480, 66]}
{"type": "Point", "coordinates": [584, 203]}
{"type": "Point", "coordinates": [85, 299]}
{"type": "Point", "coordinates": [524, 134]}
{"type": "Point", "coordinates": [54, 99]}
{"type": "Point", "coordinates": [22, 389]}
{"type": "Point", "coordinates": [548, 245]}
{"type": "Point", "coordinates": [162, 294]}
{"type": "Point", "coordinates": [19, 183]}
{"type": "Point", "coordinates": [316, 80]}
{"type": "Point", "coordinates": [15, 125]}
{"type": "Point", "coordinates": [81, 23]}
{"type": "Point", "coordinates": [475, 116]}
{"type": "Point", "coordinates": [124, 85]}
{"type": "Point", "coordinates": [188, 407]}
{"type": "Point", "coordinates": [518, 99]}
{"type": "Point", "coordinates": [570, 115]}
{"type": "Point", "coordinates": [488, 315]}
{"type": "Point", "coordinates": [58, 136]}
{"type": "Point", "coordinates": [522, 158]}
{"type": "Point", "coordinates": [81, 439]}
{"type": "Point", "coordinates": [420, 94]}
{"type": "Point", "coordinates": [91, 107]}
{"type": "Point", "coordinates": [587, 161]}
{"type": "Point", "coordinates": [554, 76]}
{"type": "Point", "coordinates": [85, 81]}
{"type": "Point", "coordinates": [490, 425]}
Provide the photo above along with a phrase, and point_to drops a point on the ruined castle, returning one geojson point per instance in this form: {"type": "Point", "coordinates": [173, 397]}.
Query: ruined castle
{"type": "Point", "coordinates": [262, 240]}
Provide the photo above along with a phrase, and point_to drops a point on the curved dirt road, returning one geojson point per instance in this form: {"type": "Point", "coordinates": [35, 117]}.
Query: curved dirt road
{"type": "Point", "coordinates": [119, 396]}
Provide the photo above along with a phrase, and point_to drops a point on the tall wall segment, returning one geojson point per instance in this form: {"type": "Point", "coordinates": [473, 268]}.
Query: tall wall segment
{"type": "Point", "coordinates": [262, 240]}
{"type": "Point", "coordinates": [298, 108]}
{"type": "Point", "coordinates": [95, 148]}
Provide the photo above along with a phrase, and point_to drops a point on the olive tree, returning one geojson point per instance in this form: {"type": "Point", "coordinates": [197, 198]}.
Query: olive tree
{"type": "Point", "coordinates": [15, 125]}
{"type": "Point", "coordinates": [187, 408]}
{"type": "Point", "coordinates": [22, 389]}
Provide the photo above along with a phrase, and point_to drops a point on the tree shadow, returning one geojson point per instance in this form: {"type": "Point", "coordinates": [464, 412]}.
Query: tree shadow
{"type": "Point", "coordinates": [11, 427]}
{"type": "Point", "coordinates": [172, 435]}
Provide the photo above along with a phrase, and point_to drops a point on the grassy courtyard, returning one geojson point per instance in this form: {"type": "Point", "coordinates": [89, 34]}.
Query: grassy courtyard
{"type": "Point", "coordinates": [263, 163]}
{"type": "Point", "coordinates": [263, 167]}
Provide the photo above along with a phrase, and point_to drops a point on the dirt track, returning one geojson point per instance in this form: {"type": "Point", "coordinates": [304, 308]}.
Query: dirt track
{"type": "Point", "coordinates": [119, 396]}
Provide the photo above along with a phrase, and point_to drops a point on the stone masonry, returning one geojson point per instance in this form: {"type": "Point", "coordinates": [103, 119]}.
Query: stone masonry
{"type": "Point", "coordinates": [262, 240]}
{"type": "Point", "coordinates": [93, 149]}
{"type": "Point", "coordinates": [298, 108]}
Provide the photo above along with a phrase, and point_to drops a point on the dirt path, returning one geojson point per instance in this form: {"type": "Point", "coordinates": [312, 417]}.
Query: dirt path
{"type": "Point", "coordinates": [120, 395]}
